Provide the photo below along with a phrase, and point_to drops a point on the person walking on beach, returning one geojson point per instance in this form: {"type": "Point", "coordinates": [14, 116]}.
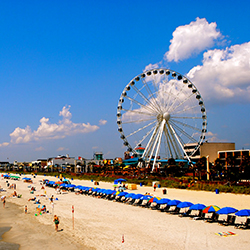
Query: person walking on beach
{"type": "Point", "coordinates": [25, 209]}
{"type": "Point", "coordinates": [3, 200]}
{"type": "Point", "coordinates": [154, 186]}
{"type": "Point", "coordinates": [56, 221]}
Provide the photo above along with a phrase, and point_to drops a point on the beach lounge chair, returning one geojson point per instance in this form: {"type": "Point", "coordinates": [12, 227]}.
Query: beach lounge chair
{"type": "Point", "coordinates": [245, 225]}
{"type": "Point", "coordinates": [164, 208]}
{"type": "Point", "coordinates": [138, 202]}
{"type": "Point", "coordinates": [147, 204]}
{"type": "Point", "coordinates": [186, 214]}
{"type": "Point", "coordinates": [213, 218]}
{"type": "Point", "coordinates": [229, 221]}
{"type": "Point", "coordinates": [201, 216]}
{"type": "Point", "coordinates": [155, 206]}
{"type": "Point", "coordinates": [175, 211]}
{"type": "Point", "coordinates": [144, 203]}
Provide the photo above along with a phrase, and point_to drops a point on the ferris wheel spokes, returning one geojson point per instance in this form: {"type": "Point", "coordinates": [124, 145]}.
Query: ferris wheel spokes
{"type": "Point", "coordinates": [140, 129]}
{"type": "Point", "coordinates": [187, 125]}
{"type": "Point", "coordinates": [181, 103]}
{"type": "Point", "coordinates": [170, 147]}
{"type": "Point", "coordinates": [145, 98]}
{"type": "Point", "coordinates": [140, 104]}
{"type": "Point", "coordinates": [149, 144]}
{"type": "Point", "coordinates": [144, 137]}
{"type": "Point", "coordinates": [177, 138]}
{"type": "Point", "coordinates": [138, 121]}
{"type": "Point", "coordinates": [175, 144]}
{"type": "Point", "coordinates": [150, 93]}
{"type": "Point", "coordinates": [136, 111]}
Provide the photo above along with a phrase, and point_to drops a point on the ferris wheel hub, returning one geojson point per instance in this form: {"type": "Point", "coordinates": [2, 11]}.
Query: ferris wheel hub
{"type": "Point", "coordinates": [166, 116]}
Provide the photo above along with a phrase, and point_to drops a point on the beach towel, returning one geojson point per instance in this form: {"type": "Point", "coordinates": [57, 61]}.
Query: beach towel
{"type": "Point", "coordinates": [225, 234]}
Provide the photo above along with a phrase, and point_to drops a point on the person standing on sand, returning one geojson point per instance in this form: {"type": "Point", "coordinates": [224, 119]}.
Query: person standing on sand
{"type": "Point", "coordinates": [3, 200]}
{"type": "Point", "coordinates": [154, 186]}
{"type": "Point", "coordinates": [56, 221]}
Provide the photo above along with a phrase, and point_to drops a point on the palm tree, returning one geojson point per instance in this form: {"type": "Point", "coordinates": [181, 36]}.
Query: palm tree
{"type": "Point", "coordinates": [201, 166]}
{"type": "Point", "coordinates": [218, 167]}
{"type": "Point", "coordinates": [233, 171]}
{"type": "Point", "coordinates": [245, 167]}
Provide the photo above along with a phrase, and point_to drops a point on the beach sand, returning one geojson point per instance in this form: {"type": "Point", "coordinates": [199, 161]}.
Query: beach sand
{"type": "Point", "coordinates": [100, 224]}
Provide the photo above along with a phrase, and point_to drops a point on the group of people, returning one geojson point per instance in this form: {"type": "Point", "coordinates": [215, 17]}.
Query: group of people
{"type": "Point", "coordinates": [41, 209]}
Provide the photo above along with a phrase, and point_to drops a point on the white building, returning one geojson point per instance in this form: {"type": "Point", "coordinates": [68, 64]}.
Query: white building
{"type": "Point", "coordinates": [61, 160]}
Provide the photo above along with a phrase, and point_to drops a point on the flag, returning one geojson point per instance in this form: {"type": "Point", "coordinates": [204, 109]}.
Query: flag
{"type": "Point", "coordinates": [122, 238]}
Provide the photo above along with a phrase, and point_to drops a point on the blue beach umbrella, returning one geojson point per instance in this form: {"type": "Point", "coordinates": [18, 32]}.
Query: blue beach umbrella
{"type": "Point", "coordinates": [227, 210]}
{"type": "Point", "coordinates": [185, 204]}
{"type": "Point", "coordinates": [174, 202]}
{"type": "Point", "coordinates": [138, 196]}
{"type": "Point", "coordinates": [163, 201]}
{"type": "Point", "coordinates": [122, 194]}
{"type": "Point", "coordinates": [133, 196]}
{"type": "Point", "coordinates": [128, 195]}
{"type": "Point", "coordinates": [243, 212]}
{"type": "Point", "coordinates": [146, 197]}
{"type": "Point", "coordinates": [120, 180]}
{"type": "Point", "coordinates": [197, 206]}
{"type": "Point", "coordinates": [100, 191]}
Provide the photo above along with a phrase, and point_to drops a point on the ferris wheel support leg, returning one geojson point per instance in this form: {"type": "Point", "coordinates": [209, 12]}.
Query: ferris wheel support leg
{"type": "Point", "coordinates": [153, 149]}
{"type": "Point", "coordinates": [159, 142]}
{"type": "Point", "coordinates": [149, 145]}
{"type": "Point", "coordinates": [179, 143]}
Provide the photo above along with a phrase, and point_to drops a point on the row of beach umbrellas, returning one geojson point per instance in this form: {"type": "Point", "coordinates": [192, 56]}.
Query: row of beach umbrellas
{"type": "Point", "coordinates": [157, 200]}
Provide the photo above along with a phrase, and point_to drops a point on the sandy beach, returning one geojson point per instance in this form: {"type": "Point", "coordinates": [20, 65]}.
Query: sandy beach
{"type": "Point", "coordinates": [100, 224]}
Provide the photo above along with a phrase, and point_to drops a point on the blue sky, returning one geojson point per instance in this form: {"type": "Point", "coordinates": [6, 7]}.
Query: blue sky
{"type": "Point", "coordinates": [64, 64]}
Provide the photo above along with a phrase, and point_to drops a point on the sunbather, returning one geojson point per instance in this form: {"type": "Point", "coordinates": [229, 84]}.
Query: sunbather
{"type": "Point", "coordinates": [14, 194]}
{"type": "Point", "coordinates": [32, 199]}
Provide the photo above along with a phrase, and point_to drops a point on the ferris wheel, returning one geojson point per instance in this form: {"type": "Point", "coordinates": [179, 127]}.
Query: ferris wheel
{"type": "Point", "coordinates": [161, 111]}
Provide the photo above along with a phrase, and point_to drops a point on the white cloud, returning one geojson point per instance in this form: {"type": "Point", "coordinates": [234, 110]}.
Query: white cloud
{"type": "Point", "coordinates": [39, 149]}
{"type": "Point", "coordinates": [152, 66]}
{"type": "Point", "coordinates": [102, 122]}
{"type": "Point", "coordinates": [192, 39]}
{"type": "Point", "coordinates": [62, 149]}
{"type": "Point", "coordinates": [65, 113]}
{"type": "Point", "coordinates": [4, 144]}
{"type": "Point", "coordinates": [212, 137]}
{"type": "Point", "coordinates": [48, 131]}
{"type": "Point", "coordinates": [224, 75]}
